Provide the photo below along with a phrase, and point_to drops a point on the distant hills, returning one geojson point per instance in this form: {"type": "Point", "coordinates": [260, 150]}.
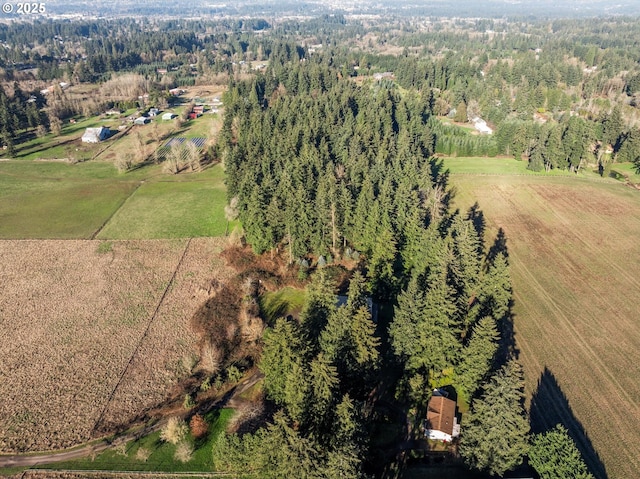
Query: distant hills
{"type": "Point", "coordinates": [447, 8]}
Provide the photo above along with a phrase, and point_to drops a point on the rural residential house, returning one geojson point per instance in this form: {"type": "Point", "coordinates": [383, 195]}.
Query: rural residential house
{"type": "Point", "coordinates": [441, 423]}
{"type": "Point", "coordinates": [143, 120]}
{"type": "Point", "coordinates": [95, 135]}
{"type": "Point", "coordinates": [168, 116]}
{"type": "Point", "coordinates": [482, 126]}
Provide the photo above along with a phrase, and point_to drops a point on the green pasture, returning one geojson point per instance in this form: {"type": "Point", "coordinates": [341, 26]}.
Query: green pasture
{"type": "Point", "coordinates": [173, 206]}
{"type": "Point", "coordinates": [502, 166]}
{"type": "Point", "coordinates": [67, 144]}
{"type": "Point", "coordinates": [509, 166]}
{"type": "Point", "coordinates": [45, 199]}
{"type": "Point", "coordinates": [623, 172]}
{"type": "Point", "coordinates": [160, 454]}
{"type": "Point", "coordinates": [59, 200]}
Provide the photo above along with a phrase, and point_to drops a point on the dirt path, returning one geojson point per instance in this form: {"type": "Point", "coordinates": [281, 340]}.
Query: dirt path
{"type": "Point", "coordinates": [52, 473]}
{"type": "Point", "coordinates": [228, 400]}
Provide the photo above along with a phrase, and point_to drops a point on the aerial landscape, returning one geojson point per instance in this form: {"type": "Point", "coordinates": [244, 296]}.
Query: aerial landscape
{"type": "Point", "coordinates": [320, 239]}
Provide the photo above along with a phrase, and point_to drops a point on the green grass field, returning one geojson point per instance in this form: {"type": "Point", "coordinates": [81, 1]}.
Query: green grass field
{"type": "Point", "coordinates": [503, 166]}
{"type": "Point", "coordinates": [67, 144]}
{"type": "Point", "coordinates": [45, 199]}
{"type": "Point", "coordinates": [173, 206]}
{"type": "Point", "coordinates": [623, 171]}
{"type": "Point", "coordinates": [285, 301]}
{"type": "Point", "coordinates": [574, 254]}
{"type": "Point", "coordinates": [160, 454]}
{"type": "Point", "coordinates": [58, 200]}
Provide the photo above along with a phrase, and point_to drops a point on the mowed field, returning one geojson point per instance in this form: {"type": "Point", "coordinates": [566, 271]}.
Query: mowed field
{"type": "Point", "coordinates": [54, 200]}
{"type": "Point", "coordinates": [94, 332]}
{"type": "Point", "coordinates": [574, 254]}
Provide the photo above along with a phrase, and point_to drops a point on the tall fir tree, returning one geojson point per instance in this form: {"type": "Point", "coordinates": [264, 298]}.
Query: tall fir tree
{"type": "Point", "coordinates": [495, 431]}
{"type": "Point", "coordinates": [554, 455]}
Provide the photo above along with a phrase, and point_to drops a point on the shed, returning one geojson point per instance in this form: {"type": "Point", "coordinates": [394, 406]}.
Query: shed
{"type": "Point", "coordinates": [168, 116]}
{"type": "Point", "coordinates": [95, 135]}
{"type": "Point", "coordinates": [143, 120]}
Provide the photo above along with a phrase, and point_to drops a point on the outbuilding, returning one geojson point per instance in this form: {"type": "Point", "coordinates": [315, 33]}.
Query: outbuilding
{"type": "Point", "coordinates": [95, 135]}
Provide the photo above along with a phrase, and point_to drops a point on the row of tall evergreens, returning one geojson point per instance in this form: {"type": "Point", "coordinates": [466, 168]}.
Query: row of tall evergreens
{"type": "Point", "coordinates": [321, 167]}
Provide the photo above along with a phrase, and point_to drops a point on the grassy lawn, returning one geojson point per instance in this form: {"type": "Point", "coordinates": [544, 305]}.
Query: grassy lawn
{"type": "Point", "coordinates": [279, 303]}
{"type": "Point", "coordinates": [59, 200]}
{"type": "Point", "coordinates": [203, 126]}
{"type": "Point", "coordinates": [185, 205]}
{"type": "Point", "coordinates": [469, 127]}
{"type": "Point", "coordinates": [510, 166]}
{"type": "Point", "coordinates": [503, 166]}
{"type": "Point", "coordinates": [623, 171]}
{"type": "Point", "coordinates": [160, 454]}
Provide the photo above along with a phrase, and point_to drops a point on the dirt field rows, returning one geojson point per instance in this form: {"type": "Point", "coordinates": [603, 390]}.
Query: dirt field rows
{"type": "Point", "coordinates": [574, 253]}
{"type": "Point", "coordinates": [83, 331]}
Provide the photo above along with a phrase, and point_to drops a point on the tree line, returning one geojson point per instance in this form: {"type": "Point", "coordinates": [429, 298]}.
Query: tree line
{"type": "Point", "coordinates": [320, 168]}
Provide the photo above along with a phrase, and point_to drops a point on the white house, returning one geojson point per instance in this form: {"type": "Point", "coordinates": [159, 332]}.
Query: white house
{"type": "Point", "coordinates": [95, 135]}
{"type": "Point", "coordinates": [143, 120]}
{"type": "Point", "coordinates": [441, 423]}
{"type": "Point", "coordinates": [482, 126]}
{"type": "Point", "coordinates": [168, 116]}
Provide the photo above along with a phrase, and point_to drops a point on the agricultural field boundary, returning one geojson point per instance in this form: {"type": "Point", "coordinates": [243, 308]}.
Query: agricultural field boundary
{"type": "Point", "coordinates": [106, 221]}
{"type": "Point", "coordinates": [142, 337]}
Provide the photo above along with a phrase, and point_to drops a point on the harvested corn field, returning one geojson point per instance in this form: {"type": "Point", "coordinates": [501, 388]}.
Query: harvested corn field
{"type": "Point", "coordinates": [93, 332]}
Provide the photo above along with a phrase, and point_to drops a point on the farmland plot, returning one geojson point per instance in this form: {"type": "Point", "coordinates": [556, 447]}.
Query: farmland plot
{"type": "Point", "coordinates": [574, 254]}
{"type": "Point", "coordinates": [83, 323]}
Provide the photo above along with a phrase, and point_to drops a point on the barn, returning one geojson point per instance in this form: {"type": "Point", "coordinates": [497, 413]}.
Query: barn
{"type": "Point", "coordinates": [95, 135]}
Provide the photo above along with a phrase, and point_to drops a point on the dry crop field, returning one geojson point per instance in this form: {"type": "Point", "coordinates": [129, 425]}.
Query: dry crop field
{"type": "Point", "coordinates": [94, 331]}
{"type": "Point", "coordinates": [575, 256]}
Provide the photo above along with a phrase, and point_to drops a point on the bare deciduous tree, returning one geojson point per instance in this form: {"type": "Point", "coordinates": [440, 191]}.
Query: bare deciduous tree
{"type": "Point", "coordinates": [174, 431]}
{"type": "Point", "coordinates": [54, 123]}
{"type": "Point", "coordinates": [124, 162]}
{"type": "Point", "coordinates": [192, 156]}
{"type": "Point", "coordinates": [173, 159]}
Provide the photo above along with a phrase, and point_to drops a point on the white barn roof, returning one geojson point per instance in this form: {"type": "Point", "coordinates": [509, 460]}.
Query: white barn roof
{"type": "Point", "coordinates": [95, 135]}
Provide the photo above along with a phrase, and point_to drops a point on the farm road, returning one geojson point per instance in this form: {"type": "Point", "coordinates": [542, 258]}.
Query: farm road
{"type": "Point", "coordinates": [227, 400]}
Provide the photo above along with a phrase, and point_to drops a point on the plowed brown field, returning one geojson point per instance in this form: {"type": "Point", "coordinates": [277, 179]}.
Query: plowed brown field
{"type": "Point", "coordinates": [93, 332]}
{"type": "Point", "coordinates": [574, 250]}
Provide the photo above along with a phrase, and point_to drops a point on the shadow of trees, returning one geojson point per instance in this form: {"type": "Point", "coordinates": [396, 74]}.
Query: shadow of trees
{"type": "Point", "coordinates": [507, 348]}
{"type": "Point", "coordinates": [499, 246]}
{"type": "Point", "coordinates": [476, 216]}
{"type": "Point", "coordinates": [549, 406]}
